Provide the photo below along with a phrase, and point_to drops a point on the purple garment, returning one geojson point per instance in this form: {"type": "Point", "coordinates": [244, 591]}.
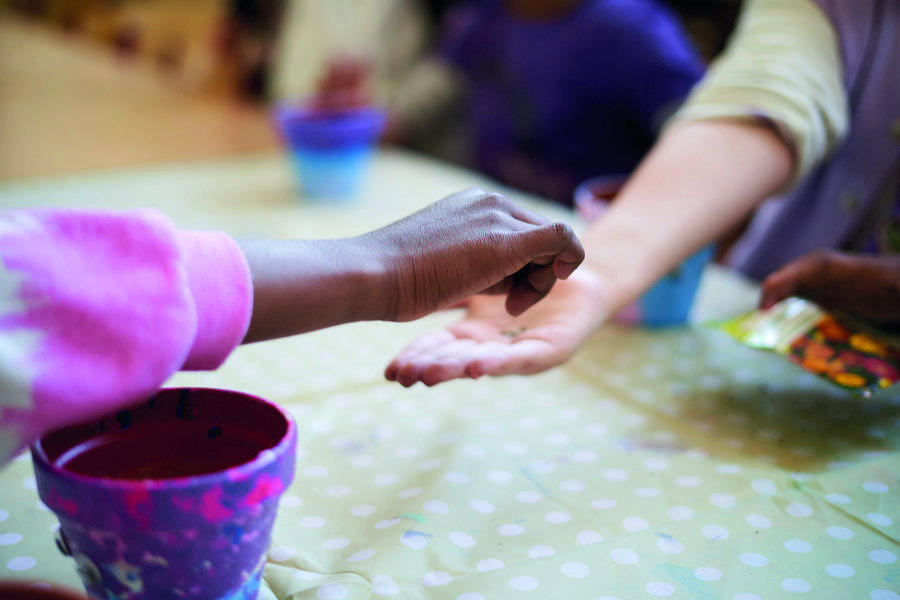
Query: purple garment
{"type": "Point", "coordinates": [553, 103]}
{"type": "Point", "coordinates": [838, 199]}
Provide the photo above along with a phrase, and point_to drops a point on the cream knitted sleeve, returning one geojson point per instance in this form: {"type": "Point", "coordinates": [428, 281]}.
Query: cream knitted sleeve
{"type": "Point", "coordinates": [783, 66]}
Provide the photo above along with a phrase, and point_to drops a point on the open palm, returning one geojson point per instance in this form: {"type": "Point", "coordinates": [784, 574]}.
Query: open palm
{"type": "Point", "coordinates": [488, 341]}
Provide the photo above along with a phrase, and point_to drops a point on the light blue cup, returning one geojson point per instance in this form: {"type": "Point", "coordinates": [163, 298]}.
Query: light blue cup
{"type": "Point", "coordinates": [330, 151]}
{"type": "Point", "coordinates": [670, 300]}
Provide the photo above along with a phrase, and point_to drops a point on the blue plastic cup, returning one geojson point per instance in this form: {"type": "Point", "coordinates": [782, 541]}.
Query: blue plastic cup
{"type": "Point", "coordinates": [330, 151]}
{"type": "Point", "coordinates": [670, 300]}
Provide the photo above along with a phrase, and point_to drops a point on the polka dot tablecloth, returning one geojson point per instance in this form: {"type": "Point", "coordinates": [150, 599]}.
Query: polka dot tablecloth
{"type": "Point", "coordinates": [656, 464]}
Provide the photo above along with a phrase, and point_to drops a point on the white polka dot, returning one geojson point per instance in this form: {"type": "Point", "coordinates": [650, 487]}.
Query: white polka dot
{"type": "Point", "coordinates": [410, 493]}
{"type": "Point", "coordinates": [884, 595]}
{"type": "Point", "coordinates": [8, 539]}
{"type": "Point", "coordinates": [449, 438]}
{"type": "Point", "coordinates": [339, 491]}
{"type": "Point", "coordinates": [656, 464]}
{"type": "Point", "coordinates": [490, 564]}
{"type": "Point", "coordinates": [669, 545]}
{"type": "Point", "coordinates": [362, 555]}
{"type": "Point", "coordinates": [557, 517]}
{"type": "Point", "coordinates": [615, 474]}
{"type": "Point", "coordinates": [751, 559]}
{"type": "Point", "coordinates": [463, 540]}
{"type": "Point", "coordinates": [838, 499]}
{"type": "Point", "coordinates": [291, 500]}
{"type": "Point", "coordinates": [584, 456]}
{"type": "Point", "coordinates": [646, 492]}
{"type": "Point", "coordinates": [416, 542]}
{"type": "Point", "coordinates": [880, 519]}
{"type": "Point", "coordinates": [603, 503]}
{"type": "Point", "coordinates": [798, 509]}
{"type": "Point", "coordinates": [384, 585]}
{"type": "Point", "coordinates": [839, 570]}
{"type": "Point", "coordinates": [438, 578]}
{"type": "Point", "coordinates": [516, 448]}
{"type": "Point", "coordinates": [723, 500]}
{"type": "Point", "coordinates": [30, 483]}
{"type": "Point", "coordinates": [524, 583]}
{"type": "Point", "coordinates": [406, 451]}
{"type": "Point", "coordinates": [316, 471]}
{"type": "Point", "coordinates": [746, 596]}
{"type": "Point", "coordinates": [385, 479]}
{"type": "Point", "coordinates": [883, 556]}
{"type": "Point", "coordinates": [766, 487]}
{"type": "Point", "coordinates": [499, 476]}
{"type": "Point", "coordinates": [482, 506]}
{"type": "Point", "coordinates": [456, 477]}
{"type": "Point", "coordinates": [797, 546]}
{"type": "Point", "coordinates": [557, 439]}
{"type": "Point", "coordinates": [624, 556]}
{"type": "Point", "coordinates": [331, 591]}
{"type": "Point", "coordinates": [510, 529]}
{"type": "Point", "coordinates": [688, 481]}
{"type": "Point", "coordinates": [575, 570]}
{"type": "Point", "coordinates": [282, 553]}
{"type": "Point", "coordinates": [362, 461]}
{"type": "Point", "coordinates": [635, 524]}
{"type": "Point", "coordinates": [362, 510]}
{"type": "Point", "coordinates": [431, 464]}
{"type": "Point", "coordinates": [715, 532]}
{"type": "Point", "coordinates": [529, 422]}
{"type": "Point", "coordinates": [528, 496]}
{"type": "Point", "coordinates": [758, 521]}
{"type": "Point", "coordinates": [307, 575]}
{"type": "Point", "coordinates": [385, 523]}
{"type": "Point", "coordinates": [798, 586]}
{"type": "Point", "coordinates": [336, 543]}
{"type": "Point", "coordinates": [540, 551]}
{"type": "Point", "coordinates": [471, 596]}
{"type": "Point", "coordinates": [839, 533]}
{"type": "Point", "coordinates": [728, 469]}
{"type": "Point", "coordinates": [20, 563]}
{"type": "Point", "coordinates": [707, 574]}
{"type": "Point", "coordinates": [875, 487]}
{"type": "Point", "coordinates": [588, 537]}
{"type": "Point", "coordinates": [596, 428]}
{"type": "Point", "coordinates": [680, 513]}
{"type": "Point", "coordinates": [572, 485]}
{"type": "Point", "coordinates": [544, 466]}
{"type": "Point", "coordinates": [4, 515]}
{"type": "Point", "coordinates": [313, 522]}
{"type": "Point", "coordinates": [660, 589]}
{"type": "Point", "coordinates": [437, 507]}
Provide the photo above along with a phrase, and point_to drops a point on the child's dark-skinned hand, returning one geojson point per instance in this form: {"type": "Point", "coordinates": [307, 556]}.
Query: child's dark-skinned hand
{"type": "Point", "coordinates": [864, 286]}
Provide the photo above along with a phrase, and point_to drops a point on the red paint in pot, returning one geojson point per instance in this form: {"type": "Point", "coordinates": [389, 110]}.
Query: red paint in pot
{"type": "Point", "coordinates": [169, 437]}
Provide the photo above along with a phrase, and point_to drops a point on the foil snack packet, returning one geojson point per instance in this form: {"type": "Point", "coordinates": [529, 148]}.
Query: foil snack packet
{"type": "Point", "coordinates": [841, 350]}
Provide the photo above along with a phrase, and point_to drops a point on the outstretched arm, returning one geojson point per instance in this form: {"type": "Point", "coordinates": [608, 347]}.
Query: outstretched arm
{"type": "Point", "coordinates": [682, 197]}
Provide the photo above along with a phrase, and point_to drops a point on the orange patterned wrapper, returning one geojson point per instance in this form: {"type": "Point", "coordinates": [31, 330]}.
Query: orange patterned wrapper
{"type": "Point", "coordinates": [836, 348]}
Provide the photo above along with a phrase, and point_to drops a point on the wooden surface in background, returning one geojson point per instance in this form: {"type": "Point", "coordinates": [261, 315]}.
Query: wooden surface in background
{"type": "Point", "coordinates": [69, 105]}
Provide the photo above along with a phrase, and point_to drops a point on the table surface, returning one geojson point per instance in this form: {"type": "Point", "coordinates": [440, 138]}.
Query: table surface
{"type": "Point", "coordinates": [67, 105]}
{"type": "Point", "coordinates": [654, 464]}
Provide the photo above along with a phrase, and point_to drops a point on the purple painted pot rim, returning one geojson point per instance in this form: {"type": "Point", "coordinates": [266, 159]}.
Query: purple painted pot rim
{"type": "Point", "coordinates": [262, 460]}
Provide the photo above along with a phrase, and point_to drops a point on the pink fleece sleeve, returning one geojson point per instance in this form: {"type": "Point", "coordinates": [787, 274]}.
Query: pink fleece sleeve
{"type": "Point", "coordinates": [98, 309]}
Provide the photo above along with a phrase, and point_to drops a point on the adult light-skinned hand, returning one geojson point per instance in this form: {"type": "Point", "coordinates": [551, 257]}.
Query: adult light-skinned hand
{"type": "Point", "coordinates": [490, 341]}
